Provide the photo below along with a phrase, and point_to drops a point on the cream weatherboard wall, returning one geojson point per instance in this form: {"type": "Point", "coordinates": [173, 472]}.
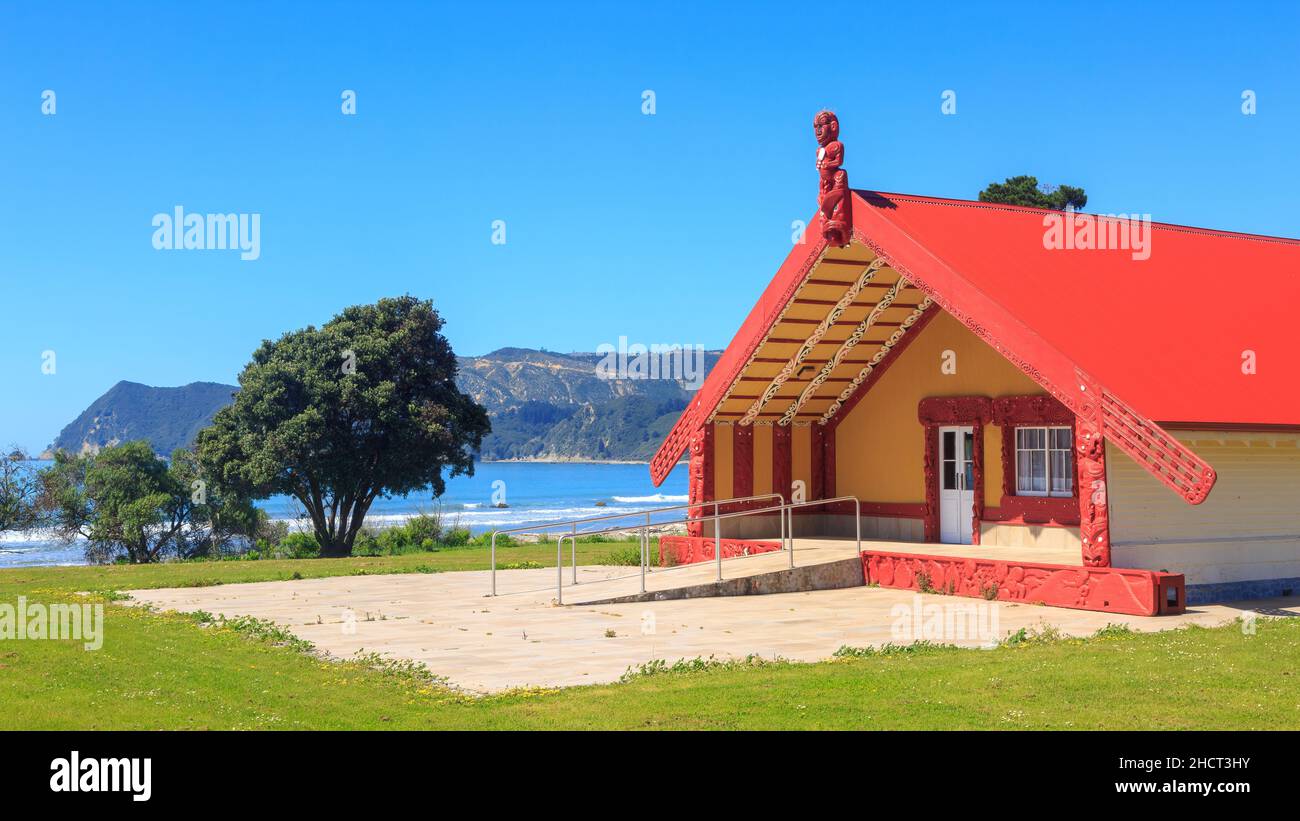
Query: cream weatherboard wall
{"type": "Point", "coordinates": [1248, 529]}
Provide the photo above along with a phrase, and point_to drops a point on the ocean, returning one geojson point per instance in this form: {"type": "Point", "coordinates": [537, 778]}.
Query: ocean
{"type": "Point", "coordinates": [534, 492]}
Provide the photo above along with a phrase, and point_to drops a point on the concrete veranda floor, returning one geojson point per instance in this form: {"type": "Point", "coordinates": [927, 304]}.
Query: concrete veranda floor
{"type": "Point", "coordinates": [521, 638]}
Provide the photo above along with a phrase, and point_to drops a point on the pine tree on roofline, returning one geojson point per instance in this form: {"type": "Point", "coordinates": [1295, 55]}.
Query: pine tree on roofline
{"type": "Point", "coordinates": [1025, 190]}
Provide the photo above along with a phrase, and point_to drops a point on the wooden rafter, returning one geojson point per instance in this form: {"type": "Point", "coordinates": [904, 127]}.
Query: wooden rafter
{"type": "Point", "coordinates": [805, 349]}
{"type": "Point", "coordinates": [845, 347]}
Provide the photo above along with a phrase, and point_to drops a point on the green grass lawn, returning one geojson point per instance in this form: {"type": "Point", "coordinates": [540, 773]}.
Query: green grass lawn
{"type": "Point", "coordinates": [168, 671]}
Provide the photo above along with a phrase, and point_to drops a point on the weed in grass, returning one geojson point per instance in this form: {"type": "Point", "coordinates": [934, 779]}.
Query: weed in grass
{"type": "Point", "coordinates": [891, 649]}
{"type": "Point", "coordinates": [1040, 634]}
{"type": "Point", "coordinates": [1113, 631]}
{"type": "Point", "coordinates": [699, 664]}
{"type": "Point", "coordinates": [406, 670]}
{"type": "Point", "coordinates": [254, 628]}
{"type": "Point", "coordinates": [110, 595]}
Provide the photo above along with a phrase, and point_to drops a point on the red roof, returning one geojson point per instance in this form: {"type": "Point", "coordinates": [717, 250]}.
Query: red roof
{"type": "Point", "coordinates": [1166, 333]}
{"type": "Point", "coordinates": [1161, 337]}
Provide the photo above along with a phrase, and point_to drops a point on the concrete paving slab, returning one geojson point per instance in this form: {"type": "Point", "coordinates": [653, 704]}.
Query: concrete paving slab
{"type": "Point", "coordinates": [484, 644]}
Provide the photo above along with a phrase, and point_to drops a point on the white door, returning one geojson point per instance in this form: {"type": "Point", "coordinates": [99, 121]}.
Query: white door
{"type": "Point", "coordinates": [956, 484]}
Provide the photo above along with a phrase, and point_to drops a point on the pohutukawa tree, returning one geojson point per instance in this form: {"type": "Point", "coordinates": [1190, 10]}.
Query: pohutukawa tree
{"type": "Point", "coordinates": [337, 416]}
{"type": "Point", "coordinates": [20, 492]}
{"type": "Point", "coordinates": [130, 505]}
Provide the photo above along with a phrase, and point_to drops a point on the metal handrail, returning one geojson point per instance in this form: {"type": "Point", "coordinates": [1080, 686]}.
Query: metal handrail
{"type": "Point", "coordinates": [783, 510]}
{"type": "Point", "coordinates": [573, 523]}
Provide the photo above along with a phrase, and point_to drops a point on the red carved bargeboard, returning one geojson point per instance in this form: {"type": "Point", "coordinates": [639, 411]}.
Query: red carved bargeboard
{"type": "Point", "coordinates": [674, 550]}
{"type": "Point", "coordinates": [1107, 589]}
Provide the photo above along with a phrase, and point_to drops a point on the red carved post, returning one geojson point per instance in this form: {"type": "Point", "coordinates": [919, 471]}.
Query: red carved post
{"type": "Point", "coordinates": [834, 198]}
{"type": "Point", "coordinates": [817, 456]}
{"type": "Point", "coordinates": [1094, 518]}
{"type": "Point", "coordinates": [1008, 458]}
{"type": "Point", "coordinates": [931, 483]}
{"type": "Point", "coordinates": [709, 491]}
{"type": "Point", "coordinates": [742, 475]}
{"type": "Point", "coordinates": [782, 454]}
{"type": "Point", "coordinates": [978, 456]}
{"type": "Point", "coordinates": [828, 463]}
{"type": "Point", "coordinates": [700, 484]}
{"type": "Point", "coordinates": [1090, 466]}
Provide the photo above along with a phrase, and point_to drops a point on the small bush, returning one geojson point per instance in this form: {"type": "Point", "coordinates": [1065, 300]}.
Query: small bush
{"type": "Point", "coordinates": [271, 532]}
{"type": "Point", "coordinates": [423, 529]}
{"type": "Point", "coordinates": [299, 546]}
{"type": "Point", "coordinates": [460, 537]}
{"type": "Point", "coordinates": [625, 555]}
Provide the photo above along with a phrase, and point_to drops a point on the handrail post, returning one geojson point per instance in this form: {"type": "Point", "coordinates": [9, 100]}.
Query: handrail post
{"type": "Point", "coordinates": [573, 546]}
{"type": "Point", "coordinates": [717, 540]}
{"type": "Point", "coordinates": [857, 519]}
{"type": "Point", "coordinates": [559, 570]}
{"type": "Point", "coordinates": [645, 549]}
{"type": "Point", "coordinates": [545, 529]}
{"type": "Point", "coordinates": [791, 533]}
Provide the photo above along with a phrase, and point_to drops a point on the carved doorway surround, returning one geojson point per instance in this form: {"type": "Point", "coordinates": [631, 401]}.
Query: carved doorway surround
{"type": "Point", "coordinates": [944, 411]}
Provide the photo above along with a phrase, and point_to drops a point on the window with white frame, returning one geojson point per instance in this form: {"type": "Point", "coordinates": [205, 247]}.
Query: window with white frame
{"type": "Point", "coordinates": [1044, 461]}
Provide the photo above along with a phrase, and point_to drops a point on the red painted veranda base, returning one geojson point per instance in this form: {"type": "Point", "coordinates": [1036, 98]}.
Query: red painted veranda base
{"type": "Point", "coordinates": [1107, 589]}
{"type": "Point", "coordinates": [674, 550]}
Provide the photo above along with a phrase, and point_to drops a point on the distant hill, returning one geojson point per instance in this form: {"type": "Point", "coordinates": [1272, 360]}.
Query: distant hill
{"type": "Point", "coordinates": [169, 418]}
{"type": "Point", "coordinates": [555, 407]}
{"type": "Point", "coordinates": [543, 405]}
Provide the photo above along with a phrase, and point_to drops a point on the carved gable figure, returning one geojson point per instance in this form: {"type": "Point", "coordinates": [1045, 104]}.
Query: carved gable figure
{"type": "Point", "coordinates": [834, 198]}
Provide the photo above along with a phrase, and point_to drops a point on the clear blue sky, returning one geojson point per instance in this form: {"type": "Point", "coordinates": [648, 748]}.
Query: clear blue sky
{"type": "Point", "coordinates": [660, 228]}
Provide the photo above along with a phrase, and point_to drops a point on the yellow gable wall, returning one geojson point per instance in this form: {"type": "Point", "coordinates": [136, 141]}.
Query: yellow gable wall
{"type": "Point", "coordinates": [879, 446]}
{"type": "Point", "coordinates": [723, 448]}
{"type": "Point", "coordinates": [762, 459]}
{"type": "Point", "coordinates": [801, 458]}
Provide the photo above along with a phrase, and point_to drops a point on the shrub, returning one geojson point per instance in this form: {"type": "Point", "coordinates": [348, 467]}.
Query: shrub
{"type": "Point", "coordinates": [271, 531]}
{"type": "Point", "coordinates": [299, 546]}
{"type": "Point", "coordinates": [422, 529]}
{"type": "Point", "coordinates": [627, 554]}
{"type": "Point", "coordinates": [368, 543]}
{"type": "Point", "coordinates": [460, 537]}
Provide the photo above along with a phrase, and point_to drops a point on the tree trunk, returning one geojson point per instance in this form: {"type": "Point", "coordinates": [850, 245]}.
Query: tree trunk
{"type": "Point", "coordinates": [334, 551]}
